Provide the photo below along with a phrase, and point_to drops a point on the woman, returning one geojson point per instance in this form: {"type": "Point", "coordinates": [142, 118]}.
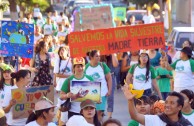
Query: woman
{"type": "Point", "coordinates": [171, 51]}
{"type": "Point", "coordinates": [188, 107]}
{"type": "Point", "coordinates": [127, 62]}
{"type": "Point", "coordinates": [78, 75]}
{"type": "Point", "coordinates": [100, 72]}
{"type": "Point", "coordinates": [184, 70]}
{"type": "Point", "coordinates": [43, 114]}
{"type": "Point", "coordinates": [6, 85]}
{"type": "Point", "coordinates": [63, 67]}
{"type": "Point", "coordinates": [41, 65]}
{"type": "Point", "coordinates": [22, 79]}
{"type": "Point", "coordinates": [62, 70]}
{"type": "Point", "coordinates": [131, 20]}
{"type": "Point", "coordinates": [143, 106]}
{"type": "Point", "coordinates": [143, 76]}
{"type": "Point", "coordinates": [186, 43]}
{"type": "Point", "coordinates": [88, 111]}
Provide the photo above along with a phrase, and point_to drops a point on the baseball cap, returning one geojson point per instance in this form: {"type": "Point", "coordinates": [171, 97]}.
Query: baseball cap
{"type": "Point", "coordinates": [187, 50]}
{"type": "Point", "coordinates": [87, 103]}
{"type": "Point", "coordinates": [44, 104]}
{"type": "Point", "coordinates": [6, 67]}
{"type": "Point", "coordinates": [79, 60]}
{"type": "Point", "coordinates": [77, 120]}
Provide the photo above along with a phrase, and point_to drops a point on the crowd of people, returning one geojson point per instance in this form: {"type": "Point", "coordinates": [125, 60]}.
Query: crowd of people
{"type": "Point", "coordinates": [165, 76]}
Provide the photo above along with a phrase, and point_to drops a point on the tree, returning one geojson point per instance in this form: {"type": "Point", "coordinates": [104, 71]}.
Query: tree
{"type": "Point", "coordinates": [13, 9]}
{"type": "Point", "coordinates": [143, 2]}
{"type": "Point", "coordinates": [3, 7]}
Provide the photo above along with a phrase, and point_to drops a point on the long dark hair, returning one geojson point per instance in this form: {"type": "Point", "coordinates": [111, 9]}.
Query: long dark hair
{"type": "Point", "coordinates": [190, 95]}
{"type": "Point", "coordinates": [2, 81]}
{"type": "Point", "coordinates": [92, 53]}
{"type": "Point", "coordinates": [147, 66]}
{"type": "Point", "coordinates": [39, 46]}
{"type": "Point", "coordinates": [20, 74]}
{"type": "Point", "coordinates": [35, 115]}
{"type": "Point", "coordinates": [60, 58]}
{"type": "Point", "coordinates": [96, 121]}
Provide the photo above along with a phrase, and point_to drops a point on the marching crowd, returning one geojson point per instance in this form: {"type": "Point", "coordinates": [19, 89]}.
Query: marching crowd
{"type": "Point", "coordinates": [165, 76]}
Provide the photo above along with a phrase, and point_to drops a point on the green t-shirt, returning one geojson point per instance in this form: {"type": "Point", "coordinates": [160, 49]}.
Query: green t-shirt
{"type": "Point", "coordinates": [163, 83]}
{"type": "Point", "coordinates": [133, 123]}
{"type": "Point", "coordinates": [65, 86]}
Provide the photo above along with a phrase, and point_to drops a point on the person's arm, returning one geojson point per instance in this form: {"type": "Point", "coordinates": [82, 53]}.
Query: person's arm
{"type": "Point", "coordinates": [32, 61]}
{"type": "Point", "coordinates": [109, 83]}
{"type": "Point", "coordinates": [155, 86]}
{"type": "Point", "coordinates": [129, 78]}
{"type": "Point", "coordinates": [124, 66]}
{"type": "Point", "coordinates": [62, 75]}
{"type": "Point", "coordinates": [8, 108]}
{"type": "Point", "coordinates": [115, 60]}
{"type": "Point", "coordinates": [132, 110]}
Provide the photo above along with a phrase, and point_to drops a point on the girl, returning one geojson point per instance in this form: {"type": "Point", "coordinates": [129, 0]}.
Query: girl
{"type": "Point", "coordinates": [43, 115]}
{"type": "Point", "coordinates": [143, 76]}
{"type": "Point", "coordinates": [6, 85]}
{"type": "Point", "coordinates": [22, 79]}
{"type": "Point", "coordinates": [100, 72]}
{"type": "Point", "coordinates": [88, 111]}
{"type": "Point", "coordinates": [187, 109]}
{"type": "Point", "coordinates": [78, 75]}
{"type": "Point", "coordinates": [41, 65]}
{"type": "Point", "coordinates": [184, 70]}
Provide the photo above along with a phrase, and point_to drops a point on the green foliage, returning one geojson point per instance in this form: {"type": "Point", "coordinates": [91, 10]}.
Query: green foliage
{"type": "Point", "coordinates": [4, 6]}
{"type": "Point", "coordinates": [29, 4]}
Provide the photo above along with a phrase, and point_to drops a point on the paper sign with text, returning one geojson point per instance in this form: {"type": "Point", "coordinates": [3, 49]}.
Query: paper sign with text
{"type": "Point", "coordinates": [86, 90]}
{"type": "Point", "coordinates": [120, 13]}
{"type": "Point", "coordinates": [26, 99]}
{"type": "Point", "coordinates": [120, 39]}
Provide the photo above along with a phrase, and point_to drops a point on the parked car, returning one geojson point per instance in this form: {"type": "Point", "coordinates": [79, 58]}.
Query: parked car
{"type": "Point", "coordinates": [179, 35]}
{"type": "Point", "coordinates": [138, 15]}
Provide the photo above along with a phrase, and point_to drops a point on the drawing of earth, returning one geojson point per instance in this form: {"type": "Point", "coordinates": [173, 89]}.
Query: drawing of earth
{"type": "Point", "coordinates": [17, 38]}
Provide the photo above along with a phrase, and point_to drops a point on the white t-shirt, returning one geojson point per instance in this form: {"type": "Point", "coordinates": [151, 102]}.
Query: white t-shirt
{"type": "Point", "coordinates": [176, 56]}
{"type": "Point", "coordinates": [36, 12]}
{"type": "Point", "coordinates": [98, 74]}
{"type": "Point", "coordinates": [48, 29]}
{"type": "Point", "coordinates": [40, 22]}
{"type": "Point", "coordinates": [36, 38]}
{"type": "Point", "coordinates": [139, 74]}
{"type": "Point", "coordinates": [183, 73]}
{"type": "Point", "coordinates": [64, 33]}
{"type": "Point", "coordinates": [153, 120]}
{"type": "Point", "coordinates": [34, 123]}
{"type": "Point", "coordinates": [189, 117]}
{"type": "Point", "coordinates": [54, 18]}
{"type": "Point", "coordinates": [63, 70]}
{"type": "Point", "coordinates": [148, 19]}
{"type": "Point", "coordinates": [60, 19]}
{"type": "Point", "coordinates": [5, 97]}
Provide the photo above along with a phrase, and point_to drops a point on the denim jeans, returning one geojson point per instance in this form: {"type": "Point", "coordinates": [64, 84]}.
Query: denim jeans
{"type": "Point", "coordinates": [110, 100]}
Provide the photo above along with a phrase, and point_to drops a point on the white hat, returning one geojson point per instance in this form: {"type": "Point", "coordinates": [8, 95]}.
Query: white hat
{"type": "Point", "coordinates": [77, 120]}
{"type": "Point", "coordinates": [43, 104]}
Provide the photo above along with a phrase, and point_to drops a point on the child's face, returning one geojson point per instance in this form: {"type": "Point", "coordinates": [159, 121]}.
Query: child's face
{"type": "Point", "coordinates": [143, 108]}
{"type": "Point", "coordinates": [162, 62]}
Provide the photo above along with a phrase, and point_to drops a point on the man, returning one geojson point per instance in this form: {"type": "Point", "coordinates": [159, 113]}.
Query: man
{"type": "Point", "coordinates": [148, 18]}
{"type": "Point", "coordinates": [172, 114]}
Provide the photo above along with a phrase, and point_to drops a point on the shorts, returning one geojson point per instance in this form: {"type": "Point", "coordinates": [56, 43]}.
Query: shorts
{"type": "Point", "coordinates": [102, 105]}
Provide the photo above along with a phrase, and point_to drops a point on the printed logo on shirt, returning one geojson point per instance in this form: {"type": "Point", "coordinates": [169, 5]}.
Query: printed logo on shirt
{"type": "Point", "coordinates": [67, 70]}
{"type": "Point", "coordinates": [95, 76]}
{"type": "Point", "coordinates": [180, 68]}
{"type": "Point", "coordinates": [2, 96]}
{"type": "Point", "coordinates": [140, 77]}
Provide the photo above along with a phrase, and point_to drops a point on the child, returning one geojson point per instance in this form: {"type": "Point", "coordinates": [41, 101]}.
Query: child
{"type": "Point", "coordinates": [163, 77]}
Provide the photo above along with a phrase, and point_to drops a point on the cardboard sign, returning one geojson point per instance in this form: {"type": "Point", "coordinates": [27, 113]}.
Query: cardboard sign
{"type": "Point", "coordinates": [120, 13]}
{"type": "Point", "coordinates": [93, 17]}
{"type": "Point", "coordinates": [120, 39]}
{"type": "Point", "coordinates": [17, 39]}
{"type": "Point", "coordinates": [26, 99]}
{"type": "Point", "coordinates": [86, 90]}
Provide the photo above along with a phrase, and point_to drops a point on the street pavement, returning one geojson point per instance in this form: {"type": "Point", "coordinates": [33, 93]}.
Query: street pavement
{"type": "Point", "coordinates": [120, 108]}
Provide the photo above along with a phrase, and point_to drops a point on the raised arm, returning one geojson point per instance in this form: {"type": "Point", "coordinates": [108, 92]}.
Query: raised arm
{"type": "Point", "coordinates": [132, 110]}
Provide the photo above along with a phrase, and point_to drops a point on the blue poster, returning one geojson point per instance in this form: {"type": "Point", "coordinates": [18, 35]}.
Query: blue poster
{"type": "Point", "coordinates": [17, 39]}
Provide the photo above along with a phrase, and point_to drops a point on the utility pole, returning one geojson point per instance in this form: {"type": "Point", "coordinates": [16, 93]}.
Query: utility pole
{"type": "Point", "coordinates": [169, 16]}
{"type": "Point", "coordinates": [161, 9]}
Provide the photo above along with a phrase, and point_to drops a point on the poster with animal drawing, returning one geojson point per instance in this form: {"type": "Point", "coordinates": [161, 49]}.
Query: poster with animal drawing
{"type": "Point", "coordinates": [26, 99]}
{"type": "Point", "coordinates": [17, 39]}
{"type": "Point", "coordinates": [83, 90]}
